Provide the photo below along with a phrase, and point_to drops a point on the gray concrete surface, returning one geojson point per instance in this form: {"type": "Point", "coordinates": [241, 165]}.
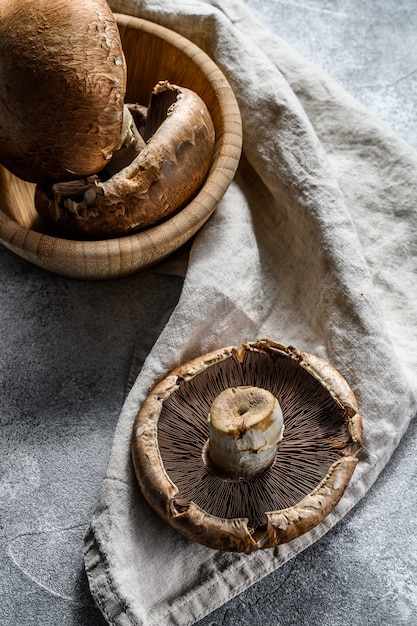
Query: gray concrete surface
{"type": "Point", "coordinates": [368, 47]}
{"type": "Point", "coordinates": [58, 414]}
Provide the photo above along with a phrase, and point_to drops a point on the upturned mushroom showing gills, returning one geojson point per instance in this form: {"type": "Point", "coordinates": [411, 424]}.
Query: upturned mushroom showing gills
{"type": "Point", "coordinates": [64, 124]}
{"type": "Point", "coordinates": [247, 447]}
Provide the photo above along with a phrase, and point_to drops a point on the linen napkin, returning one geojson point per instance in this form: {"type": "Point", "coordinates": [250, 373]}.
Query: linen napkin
{"type": "Point", "coordinates": [314, 245]}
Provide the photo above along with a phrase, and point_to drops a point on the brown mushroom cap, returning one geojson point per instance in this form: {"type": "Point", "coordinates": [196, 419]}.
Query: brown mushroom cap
{"type": "Point", "coordinates": [62, 85]}
{"type": "Point", "coordinates": [164, 175]}
{"type": "Point", "coordinates": [314, 462]}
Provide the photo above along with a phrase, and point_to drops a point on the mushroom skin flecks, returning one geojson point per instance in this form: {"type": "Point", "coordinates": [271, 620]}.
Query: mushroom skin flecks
{"type": "Point", "coordinates": [62, 86]}
{"type": "Point", "coordinates": [245, 425]}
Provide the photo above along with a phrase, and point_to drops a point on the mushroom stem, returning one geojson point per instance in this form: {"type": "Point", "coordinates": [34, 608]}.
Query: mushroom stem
{"type": "Point", "coordinates": [130, 144]}
{"type": "Point", "coordinates": [246, 424]}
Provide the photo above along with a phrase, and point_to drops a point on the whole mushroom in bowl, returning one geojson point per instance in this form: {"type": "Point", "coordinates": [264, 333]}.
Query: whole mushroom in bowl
{"type": "Point", "coordinates": [62, 85]}
{"type": "Point", "coordinates": [102, 168]}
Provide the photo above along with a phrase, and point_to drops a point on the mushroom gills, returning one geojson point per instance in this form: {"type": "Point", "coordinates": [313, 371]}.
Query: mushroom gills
{"type": "Point", "coordinates": [316, 438]}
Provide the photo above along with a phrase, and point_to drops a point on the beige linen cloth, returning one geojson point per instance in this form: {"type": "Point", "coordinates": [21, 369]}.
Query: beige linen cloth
{"type": "Point", "coordinates": [314, 245]}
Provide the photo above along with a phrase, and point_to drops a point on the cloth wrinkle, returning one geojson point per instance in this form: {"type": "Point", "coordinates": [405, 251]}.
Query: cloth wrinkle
{"type": "Point", "coordinates": [314, 245]}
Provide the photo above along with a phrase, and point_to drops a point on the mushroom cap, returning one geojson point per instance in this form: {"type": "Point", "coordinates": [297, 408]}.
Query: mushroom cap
{"type": "Point", "coordinates": [313, 466]}
{"type": "Point", "coordinates": [62, 85]}
{"type": "Point", "coordinates": [159, 181]}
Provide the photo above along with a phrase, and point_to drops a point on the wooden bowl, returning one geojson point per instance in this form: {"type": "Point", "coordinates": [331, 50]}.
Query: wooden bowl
{"type": "Point", "coordinates": [152, 53]}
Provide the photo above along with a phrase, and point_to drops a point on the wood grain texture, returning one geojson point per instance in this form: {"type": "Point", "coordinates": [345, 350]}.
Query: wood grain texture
{"type": "Point", "coordinates": [152, 53]}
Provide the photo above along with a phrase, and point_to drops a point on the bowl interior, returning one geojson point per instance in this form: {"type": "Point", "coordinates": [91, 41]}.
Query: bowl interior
{"type": "Point", "coordinates": [153, 53]}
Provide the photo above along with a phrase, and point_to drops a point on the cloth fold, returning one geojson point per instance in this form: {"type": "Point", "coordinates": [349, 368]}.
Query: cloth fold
{"type": "Point", "coordinates": [313, 245]}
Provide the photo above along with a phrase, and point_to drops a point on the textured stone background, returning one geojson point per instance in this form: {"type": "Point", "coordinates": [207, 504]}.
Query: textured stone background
{"type": "Point", "coordinates": [65, 353]}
